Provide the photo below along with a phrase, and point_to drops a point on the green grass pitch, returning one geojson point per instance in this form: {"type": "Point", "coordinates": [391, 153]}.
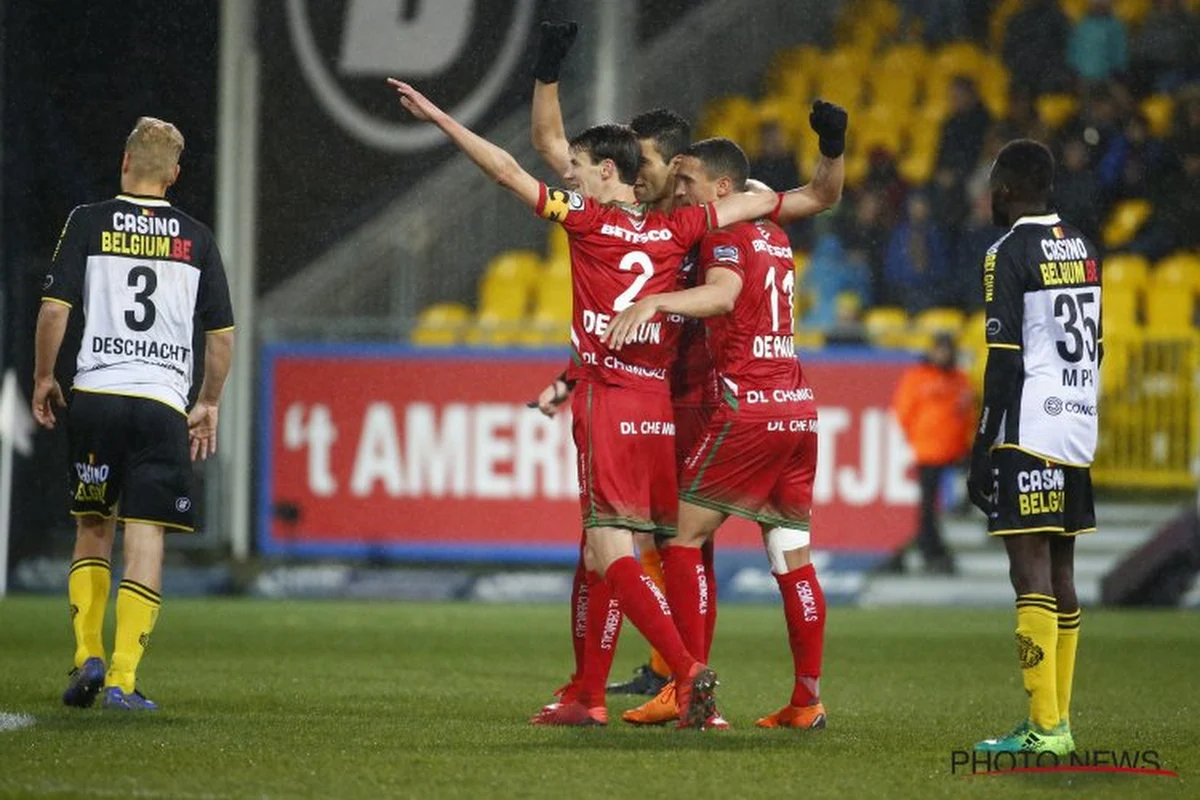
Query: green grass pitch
{"type": "Point", "coordinates": [331, 699]}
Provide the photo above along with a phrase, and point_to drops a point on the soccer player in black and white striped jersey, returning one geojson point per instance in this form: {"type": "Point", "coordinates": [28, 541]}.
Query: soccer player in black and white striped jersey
{"type": "Point", "coordinates": [144, 274]}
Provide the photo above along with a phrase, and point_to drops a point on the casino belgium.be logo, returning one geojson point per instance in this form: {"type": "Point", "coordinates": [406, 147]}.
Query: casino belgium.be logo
{"type": "Point", "coordinates": [460, 51]}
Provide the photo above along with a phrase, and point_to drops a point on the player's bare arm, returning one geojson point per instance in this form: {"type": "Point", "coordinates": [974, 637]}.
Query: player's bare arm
{"type": "Point", "coordinates": [202, 420]}
{"type": "Point", "coordinates": [47, 394]}
{"type": "Point", "coordinates": [717, 296]}
{"type": "Point", "coordinates": [495, 162]}
{"type": "Point", "coordinates": [825, 189]}
{"type": "Point", "coordinates": [547, 131]}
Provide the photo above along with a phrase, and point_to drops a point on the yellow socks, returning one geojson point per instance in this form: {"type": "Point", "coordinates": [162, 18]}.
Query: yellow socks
{"type": "Point", "coordinates": [1068, 640]}
{"type": "Point", "coordinates": [652, 565]}
{"type": "Point", "coordinates": [87, 590]}
{"type": "Point", "coordinates": [1037, 648]}
{"type": "Point", "coordinates": [137, 611]}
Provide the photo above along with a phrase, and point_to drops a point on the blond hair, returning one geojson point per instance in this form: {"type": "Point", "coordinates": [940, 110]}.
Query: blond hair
{"type": "Point", "coordinates": [153, 147]}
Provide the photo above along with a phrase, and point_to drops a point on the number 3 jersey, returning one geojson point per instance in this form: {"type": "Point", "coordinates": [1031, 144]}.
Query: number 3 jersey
{"type": "Point", "coordinates": [146, 275]}
{"type": "Point", "coordinates": [620, 254]}
{"type": "Point", "coordinates": [1041, 285]}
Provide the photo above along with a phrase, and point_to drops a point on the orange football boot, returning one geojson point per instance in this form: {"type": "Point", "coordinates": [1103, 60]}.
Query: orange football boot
{"type": "Point", "coordinates": [658, 710]}
{"type": "Point", "coordinates": [810, 718]}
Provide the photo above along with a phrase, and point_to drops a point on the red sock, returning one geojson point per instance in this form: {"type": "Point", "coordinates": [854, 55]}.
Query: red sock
{"type": "Point", "coordinates": [579, 611]}
{"type": "Point", "coordinates": [804, 608]}
{"type": "Point", "coordinates": [603, 628]}
{"type": "Point", "coordinates": [710, 620]}
{"type": "Point", "coordinates": [687, 592]}
{"type": "Point", "coordinates": [647, 609]}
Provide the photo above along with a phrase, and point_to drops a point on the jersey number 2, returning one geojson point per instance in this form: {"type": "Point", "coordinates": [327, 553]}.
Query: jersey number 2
{"type": "Point", "coordinates": [634, 258]}
{"type": "Point", "coordinates": [145, 281]}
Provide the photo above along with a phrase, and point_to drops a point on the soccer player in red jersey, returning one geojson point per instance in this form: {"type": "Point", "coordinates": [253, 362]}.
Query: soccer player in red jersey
{"type": "Point", "coordinates": [757, 458]}
{"type": "Point", "coordinates": [623, 430]}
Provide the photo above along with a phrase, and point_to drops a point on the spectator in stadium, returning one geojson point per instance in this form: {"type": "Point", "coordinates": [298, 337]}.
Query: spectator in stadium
{"type": "Point", "coordinates": [1175, 221]}
{"type": "Point", "coordinates": [833, 271]}
{"type": "Point", "coordinates": [940, 21]}
{"type": "Point", "coordinates": [776, 166]}
{"type": "Point", "coordinates": [1035, 47]}
{"type": "Point", "coordinates": [1096, 122]}
{"type": "Point", "coordinates": [883, 179]}
{"type": "Point", "coordinates": [1097, 49]}
{"type": "Point", "coordinates": [864, 234]}
{"type": "Point", "coordinates": [1077, 189]}
{"type": "Point", "coordinates": [935, 406]}
{"type": "Point", "coordinates": [917, 264]}
{"type": "Point", "coordinates": [979, 235]}
{"type": "Point", "coordinates": [963, 131]}
{"type": "Point", "coordinates": [1167, 48]}
{"type": "Point", "coordinates": [1186, 124]}
{"type": "Point", "coordinates": [1132, 161]}
{"type": "Point", "coordinates": [1022, 121]}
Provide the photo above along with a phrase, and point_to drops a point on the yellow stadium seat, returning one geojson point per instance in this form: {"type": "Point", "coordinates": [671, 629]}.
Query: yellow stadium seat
{"type": "Point", "coordinates": [504, 299]}
{"type": "Point", "coordinates": [999, 21]}
{"type": "Point", "coordinates": [903, 58]}
{"type": "Point", "coordinates": [974, 330]}
{"type": "Point", "coordinates": [553, 297]}
{"type": "Point", "coordinates": [800, 259]}
{"type": "Point", "coordinates": [804, 59]}
{"type": "Point", "coordinates": [843, 87]}
{"type": "Point", "coordinates": [1132, 12]}
{"type": "Point", "coordinates": [1119, 311]}
{"type": "Point", "coordinates": [790, 115]}
{"type": "Point", "coordinates": [1159, 110]}
{"type": "Point", "coordinates": [734, 116]}
{"type": "Point", "coordinates": [1169, 310]}
{"type": "Point", "coordinates": [916, 168]}
{"type": "Point", "coordinates": [1124, 222]}
{"type": "Point", "coordinates": [1125, 270]}
{"type": "Point", "coordinates": [1074, 8]}
{"type": "Point", "coordinates": [958, 58]}
{"type": "Point", "coordinates": [558, 249]}
{"type": "Point", "coordinates": [492, 330]}
{"type": "Point", "coordinates": [441, 325]}
{"type": "Point", "coordinates": [993, 86]}
{"type": "Point", "coordinates": [1055, 109]}
{"type": "Point", "coordinates": [1181, 270]}
{"type": "Point", "coordinates": [893, 89]}
{"type": "Point", "coordinates": [809, 338]}
{"type": "Point", "coordinates": [939, 320]}
{"type": "Point", "coordinates": [886, 327]}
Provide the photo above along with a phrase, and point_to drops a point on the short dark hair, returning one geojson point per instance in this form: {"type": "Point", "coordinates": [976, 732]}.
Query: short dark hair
{"type": "Point", "coordinates": [615, 142]}
{"type": "Point", "coordinates": [671, 133]}
{"type": "Point", "coordinates": [722, 158]}
{"type": "Point", "coordinates": [1027, 168]}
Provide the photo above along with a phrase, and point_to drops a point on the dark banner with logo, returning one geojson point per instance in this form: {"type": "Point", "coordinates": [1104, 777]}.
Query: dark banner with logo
{"type": "Point", "coordinates": [335, 145]}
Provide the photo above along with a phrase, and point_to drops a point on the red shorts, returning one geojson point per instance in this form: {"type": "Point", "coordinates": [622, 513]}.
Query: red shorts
{"type": "Point", "coordinates": [755, 465]}
{"type": "Point", "coordinates": [690, 424]}
{"type": "Point", "coordinates": [625, 442]}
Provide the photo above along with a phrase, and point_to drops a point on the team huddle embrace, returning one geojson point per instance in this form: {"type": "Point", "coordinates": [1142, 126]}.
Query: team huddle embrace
{"type": "Point", "coordinates": [686, 406]}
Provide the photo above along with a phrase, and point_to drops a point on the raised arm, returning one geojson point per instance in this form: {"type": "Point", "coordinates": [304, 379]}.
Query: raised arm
{"type": "Point", "coordinates": [825, 188]}
{"type": "Point", "coordinates": [495, 162]}
{"type": "Point", "coordinates": [547, 131]}
{"type": "Point", "coordinates": [715, 297]}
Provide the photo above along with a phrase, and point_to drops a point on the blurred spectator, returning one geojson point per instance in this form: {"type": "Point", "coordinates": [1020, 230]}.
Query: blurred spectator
{"type": "Point", "coordinates": [917, 264]}
{"type": "Point", "coordinates": [1022, 121]}
{"type": "Point", "coordinates": [1035, 47]}
{"type": "Point", "coordinates": [1097, 47]}
{"type": "Point", "coordinates": [934, 404]}
{"type": "Point", "coordinates": [1167, 48]}
{"type": "Point", "coordinates": [948, 204]}
{"type": "Point", "coordinates": [940, 21]}
{"type": "Point", "coordinates": [1186, 125]}
{"type": "Point", "coordinates": [1133, 159]}
{"type": "Point", "coordinates": [883, 178]}
{"type": "Point", "coordinates": [1096, 122]}
{"type": "Point", "coordinates": [831, 274]}
{"type": "Point", "coordinates": [776, 167]}
{"type": "Point", "coordinates": [977, 184]}
{"type": "Point", "coordinates": [1077, 190]}
{"type": "Point", "coordinates": [1175, 222]}
{"type": "Point", "coordinates": [977, 237]}
{"type": "Point", "coordinates": [963, 131]}
{"type": "Point", "coordinates": [864, 234]}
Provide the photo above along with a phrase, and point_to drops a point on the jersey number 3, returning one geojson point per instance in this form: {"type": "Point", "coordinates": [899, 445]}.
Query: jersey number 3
{"type": "Point", "coordinates": [1079, 326]}
{"type": "Point", "coordinates": [145, 281]}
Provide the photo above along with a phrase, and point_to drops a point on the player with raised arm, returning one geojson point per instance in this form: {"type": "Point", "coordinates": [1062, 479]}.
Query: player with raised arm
{"type": "Point", "coordinates": [1030, 465]}
{"type": "Point", "coordinates": [757, 458]}
{"type": "Point", "coordinates": [143, 273]}
{"type": "Point", "coordinates": [618, 250]}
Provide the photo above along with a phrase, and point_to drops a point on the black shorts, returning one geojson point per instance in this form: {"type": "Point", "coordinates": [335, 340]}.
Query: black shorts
{"type": "Point", "coordinates": [1038, 495]}
{"type": "Point", "coordinates": [130, 459]}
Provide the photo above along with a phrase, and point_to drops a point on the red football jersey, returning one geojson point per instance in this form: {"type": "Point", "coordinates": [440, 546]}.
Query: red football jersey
{"type": "Point", "coordinates": [752, 346]}
{"type": "Point", "coordinates": [618, 254]}
{"type": "Point", "coordinates": [693, 377]}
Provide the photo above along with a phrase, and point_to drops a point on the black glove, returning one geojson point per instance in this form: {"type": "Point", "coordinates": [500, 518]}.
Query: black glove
{"type": "Point", "coordinates": [553, 45]}
{"type": "Point", "coordinates": [981, 486]}
{"type": "Point", "coordinates": [829, 121]}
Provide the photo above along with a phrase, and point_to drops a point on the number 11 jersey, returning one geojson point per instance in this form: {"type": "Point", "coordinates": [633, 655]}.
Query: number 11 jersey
{"type": "Point", "coordinates": [620, 254]}
{"type": "Point", "coordinates": [146, 274]}
{"type": "Point", "coordinates": [1041, 287]}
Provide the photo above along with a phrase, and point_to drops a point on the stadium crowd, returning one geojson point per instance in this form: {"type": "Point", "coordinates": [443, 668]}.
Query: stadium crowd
{"type": "Point", "coordinates": [1083, 87]}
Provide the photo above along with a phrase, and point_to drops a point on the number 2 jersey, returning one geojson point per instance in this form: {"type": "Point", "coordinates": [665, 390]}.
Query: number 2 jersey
{"type": "Point", "coordinates": [146, 274]}
{"type": "Point", "coordinates": [619, 254]}
{"type": "Point", "coordinates": [1041, 286]}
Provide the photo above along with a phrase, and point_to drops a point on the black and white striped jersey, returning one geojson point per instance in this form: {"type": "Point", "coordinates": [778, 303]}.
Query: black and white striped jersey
{"type": "Point", "coordinates": [146, 274]}
{"type": "Point", "coordinates": [1041, 284]}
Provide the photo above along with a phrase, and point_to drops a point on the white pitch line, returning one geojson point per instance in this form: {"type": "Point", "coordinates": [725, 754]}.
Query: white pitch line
{"type": "Point", "coordinates": [15, 722]}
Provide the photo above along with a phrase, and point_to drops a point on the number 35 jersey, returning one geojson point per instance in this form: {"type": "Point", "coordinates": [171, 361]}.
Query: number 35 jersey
{"type": "Point", "coordinates": [1041, 285]}
{"type": "Point", "coordinates": [620, 254]}
{"type": "Point", "coordinates": [146, 274]}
